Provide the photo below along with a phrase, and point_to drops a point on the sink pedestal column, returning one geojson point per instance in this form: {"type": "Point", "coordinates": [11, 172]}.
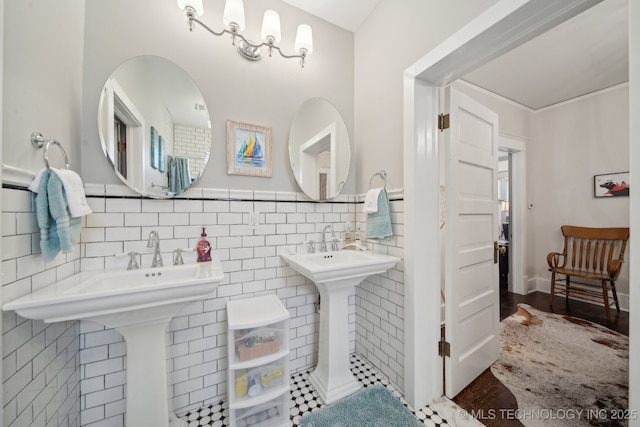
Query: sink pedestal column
{"type": "Point", "coordinates": [147, 386]}
{"type": "Point", "coordinates": [145, 332]}
{"type": "Point", "coordinates": [332, 378]}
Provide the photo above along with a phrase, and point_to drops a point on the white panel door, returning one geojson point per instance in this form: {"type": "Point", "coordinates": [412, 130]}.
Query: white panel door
{"type": "Point", "coordinates": [472, 300]}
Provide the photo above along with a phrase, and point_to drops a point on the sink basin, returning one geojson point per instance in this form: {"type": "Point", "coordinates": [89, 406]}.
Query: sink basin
{"type": "Point", "coordinates": [139, 304]}
{"type": "Point", "coordinates": [336, 274]}
{"type": "Point", "coordinates": [337, 266]}
{"type": "Point", "coordinates": [101, 295]}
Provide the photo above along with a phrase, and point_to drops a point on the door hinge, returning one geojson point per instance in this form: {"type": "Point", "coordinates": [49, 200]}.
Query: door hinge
{"type": "Point", "coordinates": [443, 122]}
{"type": "Point", "coordinates": [444, 348]}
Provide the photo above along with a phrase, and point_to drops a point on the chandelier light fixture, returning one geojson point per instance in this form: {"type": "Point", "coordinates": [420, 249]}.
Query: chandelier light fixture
{"type": "Point", "coordinates": [234, 23]}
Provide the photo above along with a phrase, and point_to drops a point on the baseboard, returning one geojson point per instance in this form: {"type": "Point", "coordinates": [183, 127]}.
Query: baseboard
{"type": "Point", "coordinates": [522, 286]}
{"type": "Point", "coordinates": [532, 286]}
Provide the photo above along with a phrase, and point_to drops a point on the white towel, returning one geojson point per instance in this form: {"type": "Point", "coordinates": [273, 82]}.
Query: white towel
{"type": "Point", "coordinates": [74, 190]}
{"type": "Point", "coordinates": [371, 200]}
{"type": "Point", "coordinates": [35, 185]}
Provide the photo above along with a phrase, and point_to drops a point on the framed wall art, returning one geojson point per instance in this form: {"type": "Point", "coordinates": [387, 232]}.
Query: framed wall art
{"type": "Point", "coordinates": [157, 150]}
{"type": "Point", "coordinates": [248, 149]}
{"type": "Point", "coordinates": [611, 184]}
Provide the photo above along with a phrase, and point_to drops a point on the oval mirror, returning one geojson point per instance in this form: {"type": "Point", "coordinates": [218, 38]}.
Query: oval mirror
{"type": "Point", "coordinates": [319, 149]}
{"type": "Point", "coordinates": [154, 126]}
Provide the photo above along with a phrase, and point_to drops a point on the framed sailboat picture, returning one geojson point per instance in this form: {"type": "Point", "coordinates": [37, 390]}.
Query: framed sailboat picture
{"type": "Point", "coordinates": [248, 149]}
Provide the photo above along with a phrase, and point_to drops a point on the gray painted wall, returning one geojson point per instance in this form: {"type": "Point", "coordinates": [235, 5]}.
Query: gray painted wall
{"type": "Point", "coordinates": [265, 93]}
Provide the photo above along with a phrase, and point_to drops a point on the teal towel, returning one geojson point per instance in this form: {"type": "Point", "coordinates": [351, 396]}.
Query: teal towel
{"type": "Point", "coordinates": [49, 241]}
{"type": "Point", "coordinates": [178, 174]}
{"type": "Point", "coordinates": [379, 223]}
{"type": "Point", "coordinates": [68, 229]}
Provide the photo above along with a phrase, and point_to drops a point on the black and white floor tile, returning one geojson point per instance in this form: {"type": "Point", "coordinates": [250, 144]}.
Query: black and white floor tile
{"type": "Point", "coordinates": [304, 399]}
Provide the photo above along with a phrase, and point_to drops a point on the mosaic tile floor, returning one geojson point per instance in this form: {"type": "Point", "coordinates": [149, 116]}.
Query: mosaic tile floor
{"type": "Point", "coordinates": [304, 399]}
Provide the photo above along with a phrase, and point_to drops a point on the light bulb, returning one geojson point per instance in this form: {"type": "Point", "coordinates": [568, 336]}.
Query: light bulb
{"type": "Point", "coordinates": [234, 13]}
{"type": "Point", "coordinates": [271, 26]}
{"type": "Point", "coordinates": [304, 39]}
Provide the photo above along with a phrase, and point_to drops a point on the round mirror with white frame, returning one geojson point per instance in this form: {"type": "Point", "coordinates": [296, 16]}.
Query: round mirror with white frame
{"type": "Point", "coordinates": [319, 149]}
{"type": "Point", "coordinates": [154, 126]}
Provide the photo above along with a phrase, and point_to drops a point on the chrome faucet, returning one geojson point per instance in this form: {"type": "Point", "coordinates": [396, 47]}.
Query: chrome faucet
{"type": "Point", "coordinates": [154, 242]}
{"type": "Point", "coordinates": [334, 242]}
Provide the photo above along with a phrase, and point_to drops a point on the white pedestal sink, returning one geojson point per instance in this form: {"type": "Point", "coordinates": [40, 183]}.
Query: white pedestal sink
{"type": "Point", "coordinates": [139, 304]}
{"type": "Point", "coordinates": [335, 275]}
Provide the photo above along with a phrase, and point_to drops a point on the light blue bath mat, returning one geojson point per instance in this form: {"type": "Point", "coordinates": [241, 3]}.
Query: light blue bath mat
{"type": "Point", "coordinates": [373, 406]}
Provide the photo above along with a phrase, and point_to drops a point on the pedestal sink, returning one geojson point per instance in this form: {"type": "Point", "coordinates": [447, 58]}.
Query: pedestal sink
{"type": "Point", "coordinates": [335, 274]}
{"type": "Point", "coordinates": [139, 304]}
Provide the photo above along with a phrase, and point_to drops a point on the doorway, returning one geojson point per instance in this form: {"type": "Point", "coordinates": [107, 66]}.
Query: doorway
{"type": "Point", "coordinates": [504, 159]}
{"type": "Point", "coordinates": [489, 36]}
{"type": "Point", "coordinates": [318, 163]}
{"type": "Point", "coordinates": [516, 208]}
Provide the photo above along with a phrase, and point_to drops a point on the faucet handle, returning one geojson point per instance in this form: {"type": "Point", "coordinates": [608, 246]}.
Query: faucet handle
{"type": "Point", "coordinates": [334, 244]}
{"type": "Point", "coordinates": [177, 258]}
{"type": "Point", "coordinates": [312, 246]}
{"type": "Point", "coordinates": [133, 261]}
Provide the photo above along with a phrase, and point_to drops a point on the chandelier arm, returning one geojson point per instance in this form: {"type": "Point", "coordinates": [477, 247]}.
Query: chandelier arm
{"type": "Point", "coordinates": [302, 55]}
{"type": "Point", "coordinates": [271, 47]}
{"type": "Point", "coordinates": [288, 56]}
{"type": "Point", "coordinates": [253, 45]}
{"type": "Point", "coordinates": [206, 27]}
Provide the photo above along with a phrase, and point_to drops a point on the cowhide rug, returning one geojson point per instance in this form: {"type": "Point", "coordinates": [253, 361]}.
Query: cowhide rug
{"type": "Point", "coordinates": [563, 370]}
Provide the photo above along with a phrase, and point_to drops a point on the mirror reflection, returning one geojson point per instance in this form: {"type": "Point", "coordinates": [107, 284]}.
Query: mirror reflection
{"type": "Point", "coordinates": [154, 127]}
{"type": "Point", "coordinates": [319, 149]}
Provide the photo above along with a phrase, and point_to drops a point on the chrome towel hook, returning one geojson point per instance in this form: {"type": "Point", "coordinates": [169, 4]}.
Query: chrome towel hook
{"type": "Point", "coordinates": [38, 141]}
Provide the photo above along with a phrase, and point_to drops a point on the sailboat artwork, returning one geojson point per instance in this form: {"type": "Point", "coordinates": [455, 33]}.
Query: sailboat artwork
{"type": "Point", "coordinates": [248, 149]}
{"type": "Point", "coordinates": [251, 153]}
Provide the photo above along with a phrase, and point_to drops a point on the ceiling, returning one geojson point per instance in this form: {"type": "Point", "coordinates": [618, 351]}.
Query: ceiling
{"type": "Point", "coordinates": [584, 54]}
{"type": "Point", "coordinates": [347, 14]}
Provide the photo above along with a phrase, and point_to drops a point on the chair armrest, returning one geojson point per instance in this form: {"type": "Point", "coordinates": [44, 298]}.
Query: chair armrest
{"type": "Point", "coordinates": [553, 259]}
{"type": "Point", "coordinates": [614, 267]}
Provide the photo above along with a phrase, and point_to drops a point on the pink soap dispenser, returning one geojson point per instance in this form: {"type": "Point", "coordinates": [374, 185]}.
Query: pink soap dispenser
{"type": "Point", "coordinates": [204, 248]}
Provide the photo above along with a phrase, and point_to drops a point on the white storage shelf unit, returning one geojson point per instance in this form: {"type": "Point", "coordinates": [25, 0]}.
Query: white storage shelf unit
{"type": "Point", "coordinates": [258, 372]}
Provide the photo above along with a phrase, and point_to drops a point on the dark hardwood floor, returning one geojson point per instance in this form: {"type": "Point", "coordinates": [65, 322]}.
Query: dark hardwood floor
{"type": "Point", "coordinates": [488, 397]}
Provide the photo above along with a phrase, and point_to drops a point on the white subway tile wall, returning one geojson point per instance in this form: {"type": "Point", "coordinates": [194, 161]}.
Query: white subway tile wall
{"type": "Point", "coordinates": [380, 305]}
{"type": "Point", "coordinates": [41, 362]}
{"type": "Point", "coordinates": [197, 353]}
{"type": "Point", "coordinates": [194, 144]}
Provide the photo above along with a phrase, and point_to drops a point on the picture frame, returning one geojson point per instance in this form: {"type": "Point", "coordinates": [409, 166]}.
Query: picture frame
{"type": "Point", "coordinates": [157, 150]}
{"type": "Point", "coordinates": [248, 149]}
{"type": "Point", "coordinates": [154, 148]}
{"type": "Point", "coordinates": [161, 162]}
{"type": "Point", "coordinates": [611, 185]}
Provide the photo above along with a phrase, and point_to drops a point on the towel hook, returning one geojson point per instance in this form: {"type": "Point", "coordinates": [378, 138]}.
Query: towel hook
{"type": "Point", "coordinates": [382, 174]}
{"type": "Point", "coordinates": [38, 141]}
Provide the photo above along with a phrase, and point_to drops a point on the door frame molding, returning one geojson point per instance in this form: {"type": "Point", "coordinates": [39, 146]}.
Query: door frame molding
{"type": "Point", "coordinates": [516, 147]}
{"type": "Point", "coordinates": [504, 26]}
